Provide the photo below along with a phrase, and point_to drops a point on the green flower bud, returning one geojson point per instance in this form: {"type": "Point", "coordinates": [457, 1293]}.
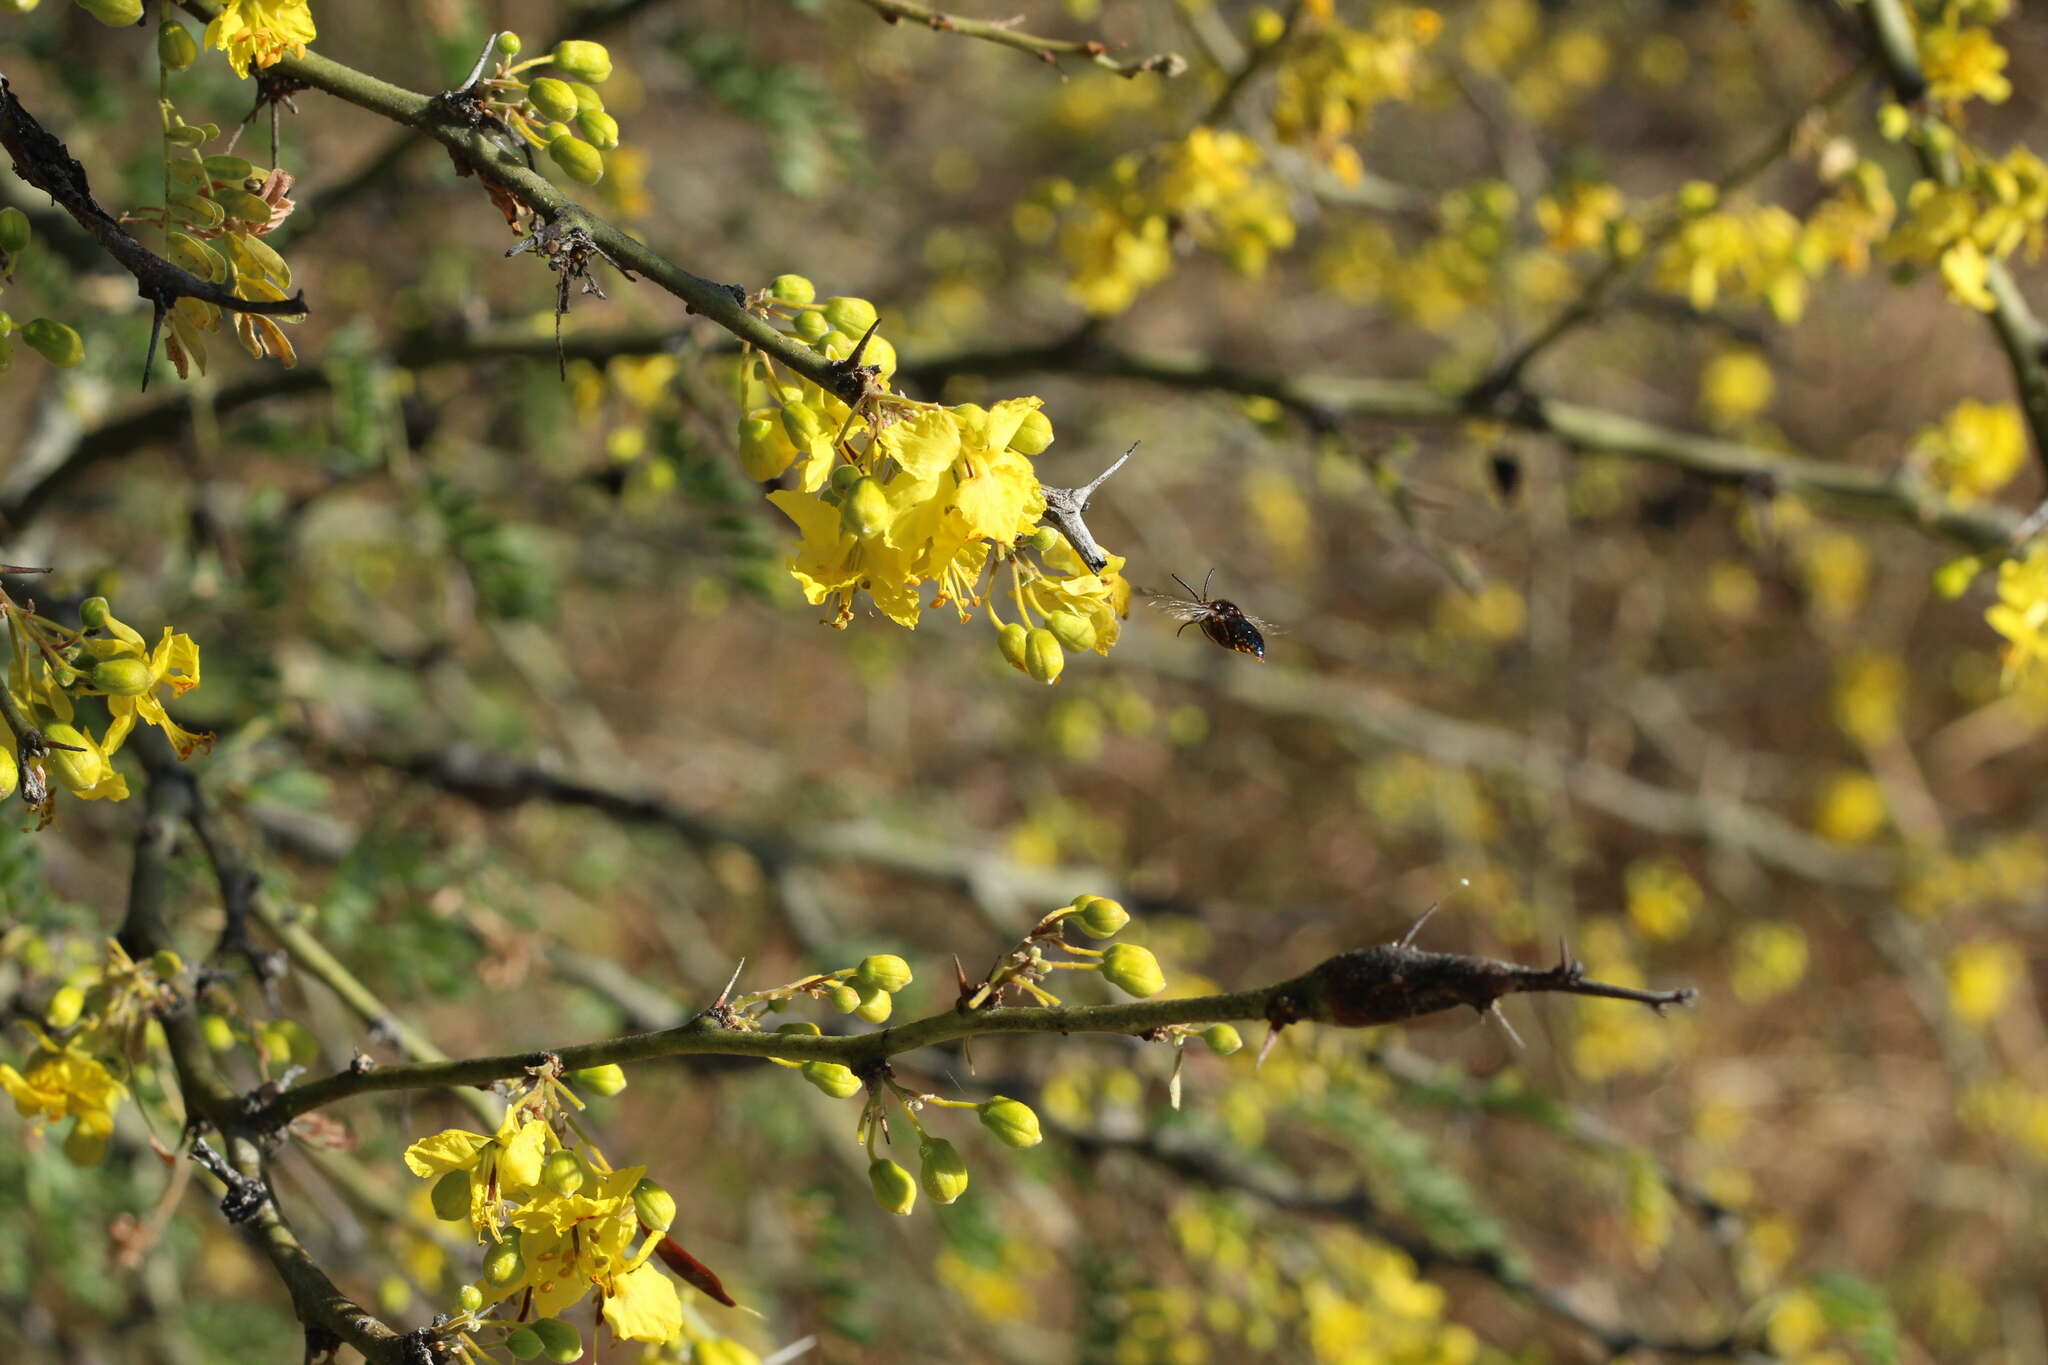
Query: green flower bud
{"type": "Point", "coordinates": [875, 1006]}
{"type": "Point", "coordinates": [801, 423]}
{"type": "Point", "coordinates": [1042, 539]}
{"type": "Point", "coordinates": [1011, 1121]}
{"type": "Point", "coordinates": [559, 1340]}
{"type": "Point", "coordinates": [217, 1031]}
{"type": "Point", "coordinates": [894, 1190]}
{"type": "Point", "coordinates": [1222, 1039]}
{"type": "Point", "coordinates": [85, 1146]}
{"type": "Point", "coordinates": [93, 613]}
{"type": "Point", "coordinates": [564, 1171]}
{"type": "Point", "coordinates": [54, 342]}
{"type": "Point", "coordinates": [523, 1343]}
{"type": "Point", "coordinates": [450, 1197]}
{"type": "Point", "coordinates": [1133, 970]}
{"type": "Point", "coordinates": [608, 1079]}
{"type": "Point", "coordinates": [1073, 630]}
{"type": "Point", "coordinates": [552, 98]}
{"type": "Point", "coordinates": [941, 1171]}
{"type": "Point", "coordinates": [14, 231]}
{"type": "Point", "coordinates": [802, 1027]}
{"type": "Point", "coordinates": [883, 972]}
{"type": "Point", "coordinates": [1043, 657]}
{"type": "Point", "coordinates": [549, 132]}
{"type": "Point", "coordinates": [78, 768]}
{"type": "Point", "coordinates": [600, 128]}
{"type": "Point", "coordinates": [166, 963]}
{"type": "Point", "coordinates": [655, 1206]}
{"type": "Point", "coordinates": [844, 477]}
{"type": "Point", "coordinates": [866, 510]}
{"type": "Point", "coordinates": [469, 1298]}
{"type": "Point", "coordinates": [10, 772]}
{"type": "Point", "coordinates": [1099, 916]}
{"type": "Point", "coordinates": [65, 1007]}
{"type": "Point", "coordinates": [508, 44]}
{"type": "Point", "coordinates": [114, 13]}
{"type": "Point", "coordinates": [788, 288]}
{"type": "Point", "coordinates": [579, 160]}
{"type": "Point", "coordinates": [845, 999]}
{"type": "Point", "coordinates": [503, 1264]}
{"type": "Point", "coordinates": [585, 59]}
{"type": "Point", "coordinates": [834, 345]}
{"type": "Point", "coordinates": [851, 316]}
{"type": "Point", "coordinates": [123, 677]}
{"type": "Point", "coordinates": [832, 1078]}
{"type": "Point", "coordinates": [1012, 639]}
{"type": "Point", "coordinates": [587, 97]}
{"type": "Point", "coordinates": [810, 326]}
{"type": "Point", "coordinates": [1034, 433]}
{"type": "Point", "coordinates": [765, 450]}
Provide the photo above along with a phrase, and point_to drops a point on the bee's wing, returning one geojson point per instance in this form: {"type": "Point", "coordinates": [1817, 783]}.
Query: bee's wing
{"type": "Point", "coordinates": [1181, 609]}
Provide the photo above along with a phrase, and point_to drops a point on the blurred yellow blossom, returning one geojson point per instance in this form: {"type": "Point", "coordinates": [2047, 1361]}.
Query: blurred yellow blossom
{"type": "Point", "coordinates": [1850, 808]}
{"type": "Point", "coordinates": [1976, 450]}
{"type": "Point", "coordinates": [1982, 976]}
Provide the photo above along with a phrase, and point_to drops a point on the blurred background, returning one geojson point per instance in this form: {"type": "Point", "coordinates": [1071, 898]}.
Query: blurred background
{"type": "Point", "coordinates": [521, 717]}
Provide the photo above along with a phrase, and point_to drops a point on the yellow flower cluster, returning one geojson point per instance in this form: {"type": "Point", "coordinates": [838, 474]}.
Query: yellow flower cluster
{"type": "Point", "coordinates": [558, 1224]}
{"type": "Point", "coordinates": [261, 32]}
{"type": "Point", "coordinates": [1450, 274]}
{"type": "Point", "coordinates": [2021, 612]}
{"type": "Point", "coordinates": [49, 668]}
{"type": "Point", "coordinates": [1325, 89]}
{"type": "Point", "coordinates": [99, 1016]}
{"type": "Point", "coordinates": [1997, 207]}
{"type": "Point", "coordinates": [1963, 62]}
{"type": "Point", "coordinates": [1212, 186]}
{"type": "Point", "coordinates": [1975, 451]}
{"type": "Point", "coordinates": [891, 494]}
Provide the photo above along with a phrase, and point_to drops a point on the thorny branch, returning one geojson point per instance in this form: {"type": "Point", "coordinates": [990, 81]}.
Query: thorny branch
{"type": "Point", "coordinates": [1006, 32]}
{"type": "Point", "coordinates": [44, 162]}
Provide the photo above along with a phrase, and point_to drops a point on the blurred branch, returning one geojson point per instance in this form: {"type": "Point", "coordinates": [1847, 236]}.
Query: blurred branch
{"type": "Point", "coordinates": [2020, 333]}
{"type": "Point", "coordinates": [1358, 1209]}
{"type": "Point", "coordinates": [1370, 986]}
{"type": "Point", "coordinates": [1322, 402]}
{"type": "Point", "coordinates": [1005, 32]}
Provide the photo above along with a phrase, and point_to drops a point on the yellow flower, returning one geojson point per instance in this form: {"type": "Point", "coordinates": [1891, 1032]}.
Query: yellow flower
{"type": "Point", "coordinates": [173, 664]}
{"type": "Point", "coordinates": [261, 31]}
{"type": "Point", "coordinates": [1735, 386]}
{"type": "Point", "coordinates": [1977, 448]}
{"type": "Point", "coordinates": [2021, 612]}
{"type": "Point", "coordinates": [501, 1169]}
{"type": "Point", "coordinates": [1964, 63]}
{"type": "Point", "coordinates": [1982, 977]}
{"type": "Point", "coordinates": [65, 1082]}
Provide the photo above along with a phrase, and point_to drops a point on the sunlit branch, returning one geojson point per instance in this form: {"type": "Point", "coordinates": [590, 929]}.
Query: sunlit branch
{"type": "Point", "coordinates": [1009, 35]}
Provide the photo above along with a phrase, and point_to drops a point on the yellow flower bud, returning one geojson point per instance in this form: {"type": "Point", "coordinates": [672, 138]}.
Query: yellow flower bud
{"type": "Point", "coordinates": [1099, 916]}
{"type": "Point", "coordinates": [811, 326]}
{"type": "Point", "coordinates": [80, 768]}
{"type": "Point", "coordinates": [15, 232]}
{"type": "Point", "coordinates": [1133, 970]}
{"type": "Point", "coordinates": [832, 1078]}
{"type": "Point", "coordinates": [894, 1190]}
{"type": "Point", "coordinates": [1011, 1121]}
{"type": "Point", "coordinates": [848, 315]}
{"type": "Point", "coordinates": [865, 513]}
{"type": "Point", "coordinates": [10, 772]}
{"type": "Point", "coordinates": [883, 972]}
{"type": "Point", "coordinates": [469, 1298]}
{"type": "Point", "coordinates": [587, 97]}
{"type": "Point", "coordinates": [65, 1007]}
{"type": "Point", "coordinates": [1043, 657]}
{"type": "Point", "coordinates": [654, 1205]}
{"type": "Point", "coordinates": [1012, 640]}
{"type": "Point", "coordinates": [1222, 1039]}
{"type": "Point", "coordinates": [564, 1171]}
{"type": "Point", "coordinates": [1073, 630]}
{"type": "Point", "coordinates": [561, 1342]}
{"type": "Point", "coordinates": [503, 1264]}
{"type": "Point", "coordinates": [93, 613]}
{"type": "Point", "coordinates": [123, 677]}
{"type": "Point", "coordinates": [1042, 539]}
{"type": "Point", "coordinates": [175, 46]}
{"type": "Point", "coordinates": [114, 13]}
{"type": "Point", "coordinates": [941, 1171]}
{"type": "Point", "coordinates": [523, 1343]}
{"type": "Point", "coordinates": [608, 1079]}
{"type": "Point", "coordinates": [54, 342]}
{"type": "Point", "coordinates": [217, 1031]}
{"type": "Point", "coordinates": [801, 1027]}
{"type": "Point", "coordinates": [843, 479]}
{"type": "Point", "coordinates": [553, 99]}
{"type": "Point", "coordinates": [579, 160]}
{"type": "Point", "coordinates": [765, 450]}
{"type": "Point", "coordinates": [450, 1197]}
{"type": "Point", "coordinates": [585, 59]}
{"type": "Point", "coordinates": [600, 128]}
{"type": "Point", "coordinates": [788, 288]}
{"type": "Point", "coordinates": [845, 999]}
{"type": "Point", "coordinates": [166, 963]}
{"type": "Point", "coordinates": [1034, 433]}
{"type": "Point", "coordinates": [875, 1006]}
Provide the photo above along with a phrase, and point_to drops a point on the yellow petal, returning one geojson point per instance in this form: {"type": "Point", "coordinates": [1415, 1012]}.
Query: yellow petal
{"type": "Point", "coordinates": [644, 1306]}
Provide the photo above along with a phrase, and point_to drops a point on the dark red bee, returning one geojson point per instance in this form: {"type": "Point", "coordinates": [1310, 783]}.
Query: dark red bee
{"type": "Point", "coordinates": [1222, 621]}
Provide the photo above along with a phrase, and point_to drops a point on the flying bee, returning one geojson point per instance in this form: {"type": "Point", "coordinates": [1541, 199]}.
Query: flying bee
{"type": "Point", "coordinates": [1222, 621]}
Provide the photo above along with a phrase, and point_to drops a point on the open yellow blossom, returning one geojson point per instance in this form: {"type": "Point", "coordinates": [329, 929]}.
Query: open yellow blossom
{"type": "Point", "coordinates": [66, 1082]}
{"type": "Point", "coordinates": [261, 31]}
{"type": "Point", "coordinates": [2021, 612]}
